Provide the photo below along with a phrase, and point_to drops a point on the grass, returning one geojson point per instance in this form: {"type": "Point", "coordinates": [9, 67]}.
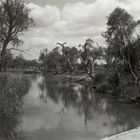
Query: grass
{"type": "Point", "coordinates": [12, 90]}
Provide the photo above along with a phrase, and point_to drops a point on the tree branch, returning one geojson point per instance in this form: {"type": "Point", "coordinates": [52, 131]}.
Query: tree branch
{"type": "Point", "coordinates": [62, 44]}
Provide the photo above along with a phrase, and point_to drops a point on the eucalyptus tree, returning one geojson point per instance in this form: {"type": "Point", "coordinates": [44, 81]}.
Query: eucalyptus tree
{"type": "Point", "coordinates": [120, 45]}
{"type": "Point", "coordinates": [14, 19]}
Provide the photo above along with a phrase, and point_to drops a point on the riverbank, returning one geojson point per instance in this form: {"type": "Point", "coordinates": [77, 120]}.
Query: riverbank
{"type": "Point", "coordinates": [73, 78]}
{"type": "Point", "coordinates": [133, 134]}
{"type": "Point", "coordinates": [101, 88]}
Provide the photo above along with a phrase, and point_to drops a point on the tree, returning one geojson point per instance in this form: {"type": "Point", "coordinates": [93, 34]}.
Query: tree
{"type": "Point", "coordinates": [14, 19]}
{"type": "Point", "coordinates": [69, 56]}
{"type": "Point", "coordinates": [121, 48]}
{"type": "Point", "coordinates": [50, 60]}
{"type": "Point", "coordinates": [42, 55]}
{"type": "Point", "coordinates": [89, 54]}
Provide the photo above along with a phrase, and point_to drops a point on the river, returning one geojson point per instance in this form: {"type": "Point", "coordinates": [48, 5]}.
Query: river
{"type": "Point", "coordinates": [55, 110]}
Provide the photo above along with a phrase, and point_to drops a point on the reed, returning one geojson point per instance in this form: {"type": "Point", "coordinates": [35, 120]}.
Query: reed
{"type": "Point", "coordinates": [12, 90]}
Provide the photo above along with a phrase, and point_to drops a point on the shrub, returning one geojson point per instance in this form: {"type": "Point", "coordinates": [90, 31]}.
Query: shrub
{"type": "Point", "coordinates": [99, 77]}
{"type": "Point", "coordinates": [106, 81]}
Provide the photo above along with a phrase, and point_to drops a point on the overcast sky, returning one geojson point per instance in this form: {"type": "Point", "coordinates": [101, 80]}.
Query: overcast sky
{"type": "Point", "coordinates": [71, 21]}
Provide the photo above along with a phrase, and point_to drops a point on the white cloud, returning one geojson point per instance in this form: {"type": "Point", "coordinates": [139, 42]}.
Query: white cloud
{"type": "Point", "coordinates": [73, 23]}
{"type": "Point", "coordinates": [44, 16]}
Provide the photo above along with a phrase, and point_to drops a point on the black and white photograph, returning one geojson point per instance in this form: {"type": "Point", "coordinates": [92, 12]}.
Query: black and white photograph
{"type": "Point", "coordinates": [69, 69]}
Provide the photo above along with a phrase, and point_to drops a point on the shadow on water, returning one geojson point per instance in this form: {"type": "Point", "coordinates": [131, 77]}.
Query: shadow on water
{"type": "Point", "coordinates": [55, 109]}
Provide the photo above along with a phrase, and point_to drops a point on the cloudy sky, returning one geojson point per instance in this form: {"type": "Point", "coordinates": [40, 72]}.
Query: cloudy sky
{"type": "Point", "coordinates": [71, 21]}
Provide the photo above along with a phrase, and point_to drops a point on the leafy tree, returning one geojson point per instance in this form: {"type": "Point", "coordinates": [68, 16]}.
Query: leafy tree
{"type": "Point", "coordinates": [51, 60]}
{"type": "Point", "coordinates": [69, 56]}
{"type": "Point", "coordinates": [121, 48]}
{"type": "Point", "coordinates": [14, 19]}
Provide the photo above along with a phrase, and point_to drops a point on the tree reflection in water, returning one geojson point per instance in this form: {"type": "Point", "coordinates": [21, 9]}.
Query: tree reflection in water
{"type": "Point", "coordinates": [89, 103]}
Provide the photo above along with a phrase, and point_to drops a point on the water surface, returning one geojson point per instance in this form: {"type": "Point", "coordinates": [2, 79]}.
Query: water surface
{"type": "Point", "coordinates": [56, 110]}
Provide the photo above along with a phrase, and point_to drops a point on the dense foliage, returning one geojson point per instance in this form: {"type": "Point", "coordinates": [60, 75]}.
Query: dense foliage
{"type": "Point", "coordinates": [122, 48]}
{"type": "Point", "coordinates": [14, 19]}
{"type": "Point", "coordinates": [72, 59]}
{"type": "Point", "coordinates": [58, 59]}
{"type": "Point", "coordinates": [122, 55]}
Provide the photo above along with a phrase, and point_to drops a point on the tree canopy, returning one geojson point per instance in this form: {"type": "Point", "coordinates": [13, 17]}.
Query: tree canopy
{"type": "Point", "coordinates": [14, 20]}
{"type": "Point", "coordinates": [121, 48]}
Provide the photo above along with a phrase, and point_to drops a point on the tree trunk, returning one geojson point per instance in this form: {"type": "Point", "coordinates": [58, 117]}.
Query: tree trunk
{"type": "Point", "coordinates": [3, 53]}
{"type": "Point", "coordinates": [3, 64]}
{"type": "Point", "coordinates": [93, 70]}
{"type": "Point", "coordinates": [132, 72]}
{"type": "Point", "coordinates": [90, 67]}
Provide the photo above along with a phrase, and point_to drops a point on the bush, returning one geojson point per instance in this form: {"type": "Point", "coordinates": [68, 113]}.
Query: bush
{"type": "Point", "coordinates": [12, 90]}
{"type": "Point", "coordinates": [106, 81]}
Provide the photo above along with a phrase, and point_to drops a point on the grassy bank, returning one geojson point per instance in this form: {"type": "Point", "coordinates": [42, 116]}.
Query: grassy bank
{"type": "Point", "coordinates": [13, 87]}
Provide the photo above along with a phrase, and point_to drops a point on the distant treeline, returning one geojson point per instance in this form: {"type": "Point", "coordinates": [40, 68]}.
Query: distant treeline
{"type": "Point", "coordinates": [19, 62]}
{"type": "Point", "coordinates": [72, 59]}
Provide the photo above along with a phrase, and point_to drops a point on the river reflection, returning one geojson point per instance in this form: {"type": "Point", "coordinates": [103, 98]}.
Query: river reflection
{"type": "Point", "coordinates": [101, 114]}
{"type": "Point", "coordinates": [56, 110]}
